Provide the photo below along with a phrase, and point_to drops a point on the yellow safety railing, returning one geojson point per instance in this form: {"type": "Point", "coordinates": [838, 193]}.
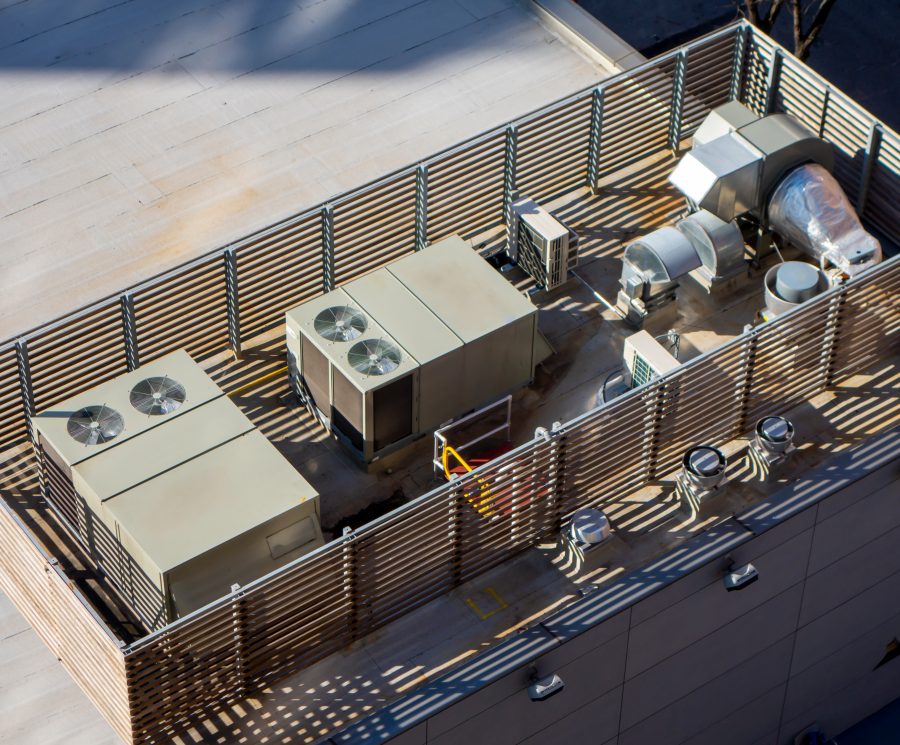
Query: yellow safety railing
{"type": "Point", "coordinates": [482, 502]}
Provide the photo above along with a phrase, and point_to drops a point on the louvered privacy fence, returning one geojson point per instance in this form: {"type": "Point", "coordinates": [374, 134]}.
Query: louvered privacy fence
{"type": "Point", "coordinates": [325, 600]}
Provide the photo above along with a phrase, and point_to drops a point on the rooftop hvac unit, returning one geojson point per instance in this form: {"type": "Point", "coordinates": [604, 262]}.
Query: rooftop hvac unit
{"type": "Point", "coordinates": [391, 356]}
{"type": "Point", "coordinates": [646, 359]}
{"type": "Point", "coordinates": [172, 490]}
{"type": "Point", "coordinates": [702, 474]}
{"type": "Point", "coordinates": [544, 247]}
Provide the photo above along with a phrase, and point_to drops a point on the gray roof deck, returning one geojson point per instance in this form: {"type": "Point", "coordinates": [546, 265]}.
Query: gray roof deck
{"type": "Point", "coordinates": [138, 135]}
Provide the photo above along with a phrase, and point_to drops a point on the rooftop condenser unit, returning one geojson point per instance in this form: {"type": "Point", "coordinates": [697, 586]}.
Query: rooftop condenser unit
{"type": "Point", "coordinates": [544, 247]}
{"type": "Point", "coordinates": [410, 346]}
{"type": "Point", "coordinates": [172, 489]}
{"type": "Point", "coordinates": [646, 359]}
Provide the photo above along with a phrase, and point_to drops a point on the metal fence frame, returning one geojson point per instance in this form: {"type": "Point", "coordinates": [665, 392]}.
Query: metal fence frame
{"type": "Point", "coordinates": [327, 599]}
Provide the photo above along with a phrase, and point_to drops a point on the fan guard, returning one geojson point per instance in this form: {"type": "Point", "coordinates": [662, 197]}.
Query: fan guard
{"type": "Point", "coordinates": [374, 357]}
{"type": "Point", "coordinates": [340, 323]}
{"type": "Point", "coordinates": [157, 395]}
{"type": "Point", "coordinates": [94, 425]}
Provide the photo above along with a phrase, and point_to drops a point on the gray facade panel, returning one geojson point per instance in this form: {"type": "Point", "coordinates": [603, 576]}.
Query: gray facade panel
{"type": "Point", "coordinates": [854, 527]}
{"type": "Point", "coordinates": [587, 679]}
{"type": "Point", "coordinates": [844, 667]}
{"type": "Point", "coordinates": [710, 657]}
{"type": "Point", "coordinates": [732, 693]}
{"type": "Point", "coordinates": [712, 607]}
{"type": "Point", "coordinates": [847, 622]}
{"type": "Point", "coordinates": [850, 575]}
{"type": "Point", "coordinates": [755, 723]}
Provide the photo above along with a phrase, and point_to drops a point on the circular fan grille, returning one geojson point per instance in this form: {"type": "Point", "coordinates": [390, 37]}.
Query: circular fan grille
{"type": "Point", "coordinates": [374, 357]}
{"type": "Point", "coordinates": [157, 395]}
{"type": "Point", "coordinates": [340, 323]}
{"type": "Point", "coordinates": [94, 425]}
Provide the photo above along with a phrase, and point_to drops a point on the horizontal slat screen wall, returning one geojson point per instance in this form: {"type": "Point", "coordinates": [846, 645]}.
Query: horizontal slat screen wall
{"type": "Point", "coordinates": [552, 150]}
{"type": "Point", "coordinates": [869, 325]}
{"type": "Point", "coordinates": [186, 310]}
{"type": "Point", "coordinates": [707, 81]}
{"type": "Point", "coordinates": [358, 584]}
{"type": "Point", "coordinates": [13, 425]}
{"type": "Point", "coordinates": [362, 582]}
{"type": "Point", "coordinates": [636, 117]}
{"type": "Point", "coordinates": [76, 355]}
{"type": "Point", "coordinates": [61, 621]}
{"type": "Point", "coordinates": [374, 227]}
{"type": "Point", "coordinates": [883, 203]}
{"type": "Point", "coordinates": [465, 189]}
{"type": "Point", "coordinates": [277, 271]}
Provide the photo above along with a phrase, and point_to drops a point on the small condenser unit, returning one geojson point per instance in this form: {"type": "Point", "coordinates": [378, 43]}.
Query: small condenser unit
{"type": "Point", "coordinates": [646, 359]}
{"type": "Point", "coordinates": [544, 247]}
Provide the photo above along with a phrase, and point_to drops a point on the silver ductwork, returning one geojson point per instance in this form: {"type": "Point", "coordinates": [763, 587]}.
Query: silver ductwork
{"type": "Point", "coordinates": [810, 210]}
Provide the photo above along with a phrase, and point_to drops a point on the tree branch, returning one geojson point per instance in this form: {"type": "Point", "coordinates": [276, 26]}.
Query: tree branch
{"type": "Point", "coordinates": [818, 21]}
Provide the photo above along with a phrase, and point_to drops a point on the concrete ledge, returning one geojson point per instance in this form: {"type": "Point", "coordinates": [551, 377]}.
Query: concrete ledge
{"type": "Point", "coordinates": [579, 27]}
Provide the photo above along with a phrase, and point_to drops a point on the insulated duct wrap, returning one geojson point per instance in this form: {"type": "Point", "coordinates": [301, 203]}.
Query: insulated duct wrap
{"type": "Point", "coordinates": [810, 210]}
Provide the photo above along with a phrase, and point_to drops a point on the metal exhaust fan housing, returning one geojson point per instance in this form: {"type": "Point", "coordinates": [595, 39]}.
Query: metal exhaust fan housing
{"type": "Point", "coordinates": [703, 467]}
{"type": "Point", "coordinates": [774, 434]}
{"type": "Point", "coordinates": [589, 528]}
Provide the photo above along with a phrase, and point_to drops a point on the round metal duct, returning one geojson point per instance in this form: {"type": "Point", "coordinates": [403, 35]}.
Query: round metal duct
{"type": "Point", "coordinates": [719, 244]}
{"type": "Point", "coordinates": [590, 526]}
{"type": "Point", "coordinates": [774, 433]}
{"type": "Point", "coordinates": [663, 255]}
{"type": "Point", "coordinates": [704, 466]}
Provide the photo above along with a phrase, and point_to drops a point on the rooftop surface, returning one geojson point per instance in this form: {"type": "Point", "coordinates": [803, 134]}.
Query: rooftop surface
{"type": "Point", "coordinates": [137, 135]}
{"type": "Point", "coordinates": [587, 336]}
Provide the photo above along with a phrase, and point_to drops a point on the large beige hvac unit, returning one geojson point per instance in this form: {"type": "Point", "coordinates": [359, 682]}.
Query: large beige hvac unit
{"type": "Point", "coordinates": [391, 356]}
{"type": "Point", "coordinates": [172, 489]}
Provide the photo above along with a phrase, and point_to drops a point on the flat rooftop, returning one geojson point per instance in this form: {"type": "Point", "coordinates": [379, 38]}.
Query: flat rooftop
{"type": "Point", "coordinates": [588, 338]}
{"type": "Point", "coordinates": [138, 135]}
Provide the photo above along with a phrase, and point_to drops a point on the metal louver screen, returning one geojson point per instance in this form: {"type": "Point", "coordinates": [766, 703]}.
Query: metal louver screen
{"type": "Point", "coordinates": [347, 411]}
{"type": "Point", "coordinates": [314, 367]}
{"type": "Point", "coordinates": [392, 407]}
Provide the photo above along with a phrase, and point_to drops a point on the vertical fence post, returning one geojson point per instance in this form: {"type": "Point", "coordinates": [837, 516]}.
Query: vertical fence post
{"type": "Point", "coordinates": [832, 337]}
{"type": "Point", "coordinates": [327, 248]}
{"type": "Point", "coordinates": [595, 136]}
{"type": "Point", "coordinates": [421, 206]}
{"type": "Point", "coordinates": [510, 193]}
{"type": "Point", "coordinates": [677, 100]}
{"type": "Point", "coordinates": [129, 331]}
{"type": "Point", "coordinates": [239, 633]}
{"type": "Point", "coordinates": [655, 399]}
{"type": "Point", "coordinates": [25, 388]}
{"type": "Point", "coordinates": [774, 81]}
{"type": "Point", "coordinates": [826, 102]}
{"type": "Point", "coordinates": [351, 595]}
{"type": "Point", "coordinates": [873, 148]}
{"type": "Point", "coordinates": [456, 503]}
{"type": "Point", "coordinates": [232, 301]}
{"type": "Point", "coordinates": [739, 63]}
{"type": "Point", "coordinates": [557, 477]}
{"type": "Point", "coordinates": [745, 385]}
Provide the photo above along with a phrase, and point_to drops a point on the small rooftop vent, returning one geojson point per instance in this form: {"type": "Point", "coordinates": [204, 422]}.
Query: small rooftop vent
{"type": "Point", "coordinates": [704, 466]}
{"type": "Point", "coordinates": [374, 357]}
{"type": "Point", "coordinates": [589, 527]}
{"type": "Point", "coordinates": [774, 434]}
{"type": "Point", "coordinates": [157, 395]}
{"type": "Point", "coordinates": [340, 323]}
{"type": "Point", "coordinates": [94, 425]}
